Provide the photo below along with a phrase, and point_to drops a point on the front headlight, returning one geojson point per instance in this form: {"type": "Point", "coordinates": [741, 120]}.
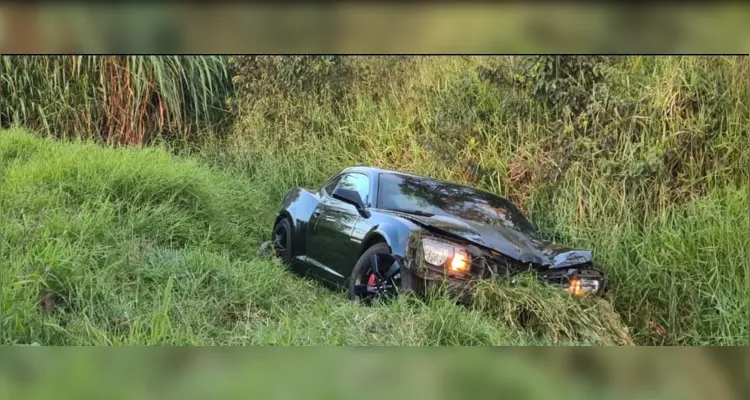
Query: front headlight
{"type": "Point", "coordinates": [582, 286]}
{"type": "Point", "coordinates": [455, 259]}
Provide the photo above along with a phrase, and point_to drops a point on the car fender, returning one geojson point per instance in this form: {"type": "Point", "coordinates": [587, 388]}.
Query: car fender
{"type": "Point", "coordinates": [395, 232]}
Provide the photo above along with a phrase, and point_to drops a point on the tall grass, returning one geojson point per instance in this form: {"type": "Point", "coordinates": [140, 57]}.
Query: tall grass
{"type": "Point", "coordinates": [648, 167]}
{"type": "Point", "coordinates": [119, 99]}
{"type": "Point", "coordinates": [125, 246]}
{"type": "Point", "coordinates": [644, 160]}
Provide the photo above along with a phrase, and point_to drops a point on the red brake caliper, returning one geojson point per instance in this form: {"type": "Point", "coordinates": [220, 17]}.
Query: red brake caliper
{"type": "Point", "coordinates": [371, 280]}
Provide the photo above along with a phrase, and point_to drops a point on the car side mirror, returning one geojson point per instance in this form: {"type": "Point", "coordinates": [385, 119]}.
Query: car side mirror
{"type": "Point", "coordinates": [352, 197]}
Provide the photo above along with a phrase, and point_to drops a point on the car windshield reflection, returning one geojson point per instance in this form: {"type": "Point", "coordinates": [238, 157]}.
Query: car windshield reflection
{"type": "Point", "coordinates": [423, 196]}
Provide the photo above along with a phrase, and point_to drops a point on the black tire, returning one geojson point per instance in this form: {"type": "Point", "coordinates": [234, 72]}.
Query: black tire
{"type": "Point", "coordinates": [282, 240]}
{"type": "Point", "coordinates": [395, 282]}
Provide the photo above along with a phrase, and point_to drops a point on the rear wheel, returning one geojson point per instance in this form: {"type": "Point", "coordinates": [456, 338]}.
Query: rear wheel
{"type": "Point", "coordinates": [378, 275]}
{"type": "Point", "coordinates": [282, 240]}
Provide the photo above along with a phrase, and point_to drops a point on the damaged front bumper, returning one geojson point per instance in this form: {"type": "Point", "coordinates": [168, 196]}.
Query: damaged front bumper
{"type": "Point", "coordinates": [580, 280]}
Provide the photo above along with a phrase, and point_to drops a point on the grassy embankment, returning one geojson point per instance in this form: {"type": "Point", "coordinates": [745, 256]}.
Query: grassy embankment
{"type": "Point", "coordinates": [647, 168]}
{"type": "Point", "coordinates": [104, 246]}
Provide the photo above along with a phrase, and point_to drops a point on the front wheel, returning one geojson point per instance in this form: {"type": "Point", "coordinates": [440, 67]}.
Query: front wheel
{"type": "Point", "coordinates": [378, 275]}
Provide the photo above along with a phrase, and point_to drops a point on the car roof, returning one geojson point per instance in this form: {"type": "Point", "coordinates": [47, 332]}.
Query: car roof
{"type": "Point", "coordinates": [376, 170]}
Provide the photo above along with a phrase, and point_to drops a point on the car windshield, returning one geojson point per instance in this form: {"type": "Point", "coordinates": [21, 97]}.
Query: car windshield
{"type": "Point", "coordinates": [424, 196]}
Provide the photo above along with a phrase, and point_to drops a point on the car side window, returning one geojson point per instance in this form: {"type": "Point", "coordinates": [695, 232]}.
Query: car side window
{"type": "Point", "coordinates": [358, 182]}
{"type": "Point", "coordinates": [328, 188]}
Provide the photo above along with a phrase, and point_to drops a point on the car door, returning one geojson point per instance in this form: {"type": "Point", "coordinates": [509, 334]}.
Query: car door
{"type": "Point", "coordinates": [329, 244]}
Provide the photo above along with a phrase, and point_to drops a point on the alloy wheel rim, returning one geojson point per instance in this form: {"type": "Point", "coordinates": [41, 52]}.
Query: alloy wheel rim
{"type": "Point", "coordinates": [381, 278]}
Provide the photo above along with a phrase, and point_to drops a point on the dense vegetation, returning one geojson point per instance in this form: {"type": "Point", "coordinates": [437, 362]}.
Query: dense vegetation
{"type": "Point", "coordinates": [118, 99]}
{"type": "Point", "coordinates": [642, 159]}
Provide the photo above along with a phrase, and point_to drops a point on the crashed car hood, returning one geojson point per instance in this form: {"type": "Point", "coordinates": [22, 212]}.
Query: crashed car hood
{"type": "Point", "coordinates": [524, 247]}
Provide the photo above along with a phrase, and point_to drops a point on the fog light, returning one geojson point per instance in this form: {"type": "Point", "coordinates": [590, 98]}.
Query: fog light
{"type": "Point", "coordinates": [580, 287]}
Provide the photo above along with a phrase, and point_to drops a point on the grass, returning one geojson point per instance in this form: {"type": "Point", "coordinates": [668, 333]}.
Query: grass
{"type": "Point", "coordinates": [123, 246]}
{"type": "Point", "coordinates": [132, 100]}
{"type": "Point", "coordinates": [647, 167]}
{"type": "Point", "coordinates": [651, 174]}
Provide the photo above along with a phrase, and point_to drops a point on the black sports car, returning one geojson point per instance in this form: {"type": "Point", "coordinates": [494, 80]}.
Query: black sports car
{"type": "Point", "coordinates": [377, 232]}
